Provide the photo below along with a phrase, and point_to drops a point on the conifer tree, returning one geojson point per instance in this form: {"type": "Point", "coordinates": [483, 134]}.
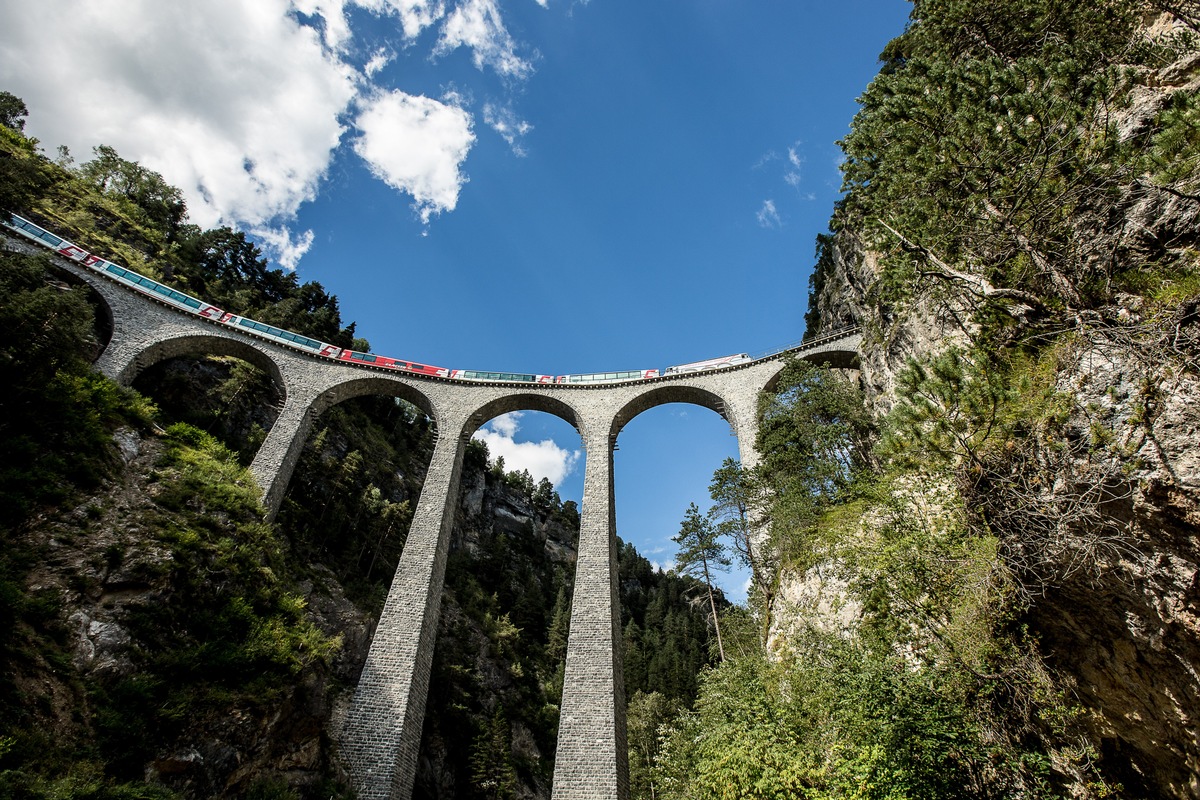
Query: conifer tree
{"type": "Point", "coordinates": [700, 554]}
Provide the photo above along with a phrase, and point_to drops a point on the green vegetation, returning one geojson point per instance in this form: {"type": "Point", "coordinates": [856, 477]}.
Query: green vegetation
{"type": "Point", "coordinates": [208, 604]}
{"type": "Point", "coordinates": [351, 499]}
{"type": "Point", "coordinates": [701, 553]}
{"type": "Point", "coordinates": [55, 415]}
{"type": "Point", "coordinates": [928, 688]}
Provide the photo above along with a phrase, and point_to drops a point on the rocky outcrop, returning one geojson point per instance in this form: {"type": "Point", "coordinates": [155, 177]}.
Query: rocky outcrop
{"type": "Point", "coordinates": [1111, 566]}
{"type": "Point", "coordinates": [1121, 613]}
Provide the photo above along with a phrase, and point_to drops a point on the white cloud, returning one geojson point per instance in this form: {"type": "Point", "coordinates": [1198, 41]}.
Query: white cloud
{"type": "Point", "coordinates": [505, 122]}
{"type": "Point", "coordinates": [793, 176]}
{"type": "Point", "coordinates": [767, 216]}
{"type": "Point", "coordinates": [243, 104]}
{"type": "Point", "coordinates": [766, 158]}
{"type": "Point", "coordinates": [235, 103]}
{"type": "Point", "coordinates": [416, 145]}
{"type": "Point", "coordinates": [381, 58]}
{"type": "Point", "coordinates": [477, 24]}
{"type": "Point", "coordinates": [506, 424]}
{"type": "Point", "coordinates": [336, 30]}
{"type": "Point", "coordinates": [287, 247]}
{"type": "Point", "coordinates": [415, 16]}
{"type": "Point", "coordinates": [544, 459]}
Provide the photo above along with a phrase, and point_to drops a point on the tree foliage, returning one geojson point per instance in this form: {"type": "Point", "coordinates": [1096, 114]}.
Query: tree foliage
{"type": "Point", "coordinates": [12, 112]}
{"type": "Point", "coordinates": [700, 555]}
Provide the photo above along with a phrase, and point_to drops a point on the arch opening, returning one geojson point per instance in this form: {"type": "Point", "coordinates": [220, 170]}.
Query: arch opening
{"type": "Point", "coordinates": [668, 451]}
{"type": "Point", "coordinates": [498, 664]}
{"type": "Point", "coordinates": [350, 499]}
{"type": "Point", "coordinates": [227, 397]}
{"type": "Point", "coordinates": [199, 345]}
{"type": "Point", "coordinates": [844, 360]}
{"type": "Point", "coordinates": [103, 324]}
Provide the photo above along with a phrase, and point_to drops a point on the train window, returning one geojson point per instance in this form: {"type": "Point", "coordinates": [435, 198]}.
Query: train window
{"type": "Point", "coordinates": [39, 233]}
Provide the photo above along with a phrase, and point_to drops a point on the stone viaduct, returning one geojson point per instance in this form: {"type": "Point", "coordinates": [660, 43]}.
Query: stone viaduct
{"type": "Point", "coordinates": [381, 736]}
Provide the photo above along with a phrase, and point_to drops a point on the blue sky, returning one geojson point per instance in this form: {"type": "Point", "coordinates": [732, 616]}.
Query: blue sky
{"type": "Point", "coordinates": [546, 186]}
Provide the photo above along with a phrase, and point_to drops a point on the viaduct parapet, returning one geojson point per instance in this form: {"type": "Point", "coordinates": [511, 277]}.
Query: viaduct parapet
{"type": "Point", "coordinates": [380, 739]}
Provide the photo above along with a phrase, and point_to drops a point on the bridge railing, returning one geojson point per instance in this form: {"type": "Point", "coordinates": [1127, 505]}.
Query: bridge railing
{"type": "Point", "coordinates": [808, 344]}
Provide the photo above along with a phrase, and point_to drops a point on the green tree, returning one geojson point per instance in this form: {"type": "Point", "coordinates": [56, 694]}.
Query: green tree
{"type": "Point", "coordinates": [12, 112]}
{"type": "Point", "coordinates": [700, 555]}
{"type": "Point", "coordinates": [739, 509]}
{"type": "Point", "coordinates": [146, 190]}
{"type": "Point", "coordinates": [24, 173]}
{"type": "Point", "coordinates": [492, 772]}
{"type": "Point", "coordinates": [646, 714]}
{"type": "Point", "coordinates": [815, 435]}
{"type": "Point", "coordinates": [949, 410]}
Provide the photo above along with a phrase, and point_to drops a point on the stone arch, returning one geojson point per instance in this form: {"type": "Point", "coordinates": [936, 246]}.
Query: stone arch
{"type": "Point", "coordinates": [105, 323]}
{"type": "Point", "coordinates": [373, 385]}
{"type": "Point", "coordinates": [204, 344]}
{"type": "Point", "coordinates": [525, 401]}
{"type": "Point", "coordinates": [835, 358]}
{"type": "Point", "coordinates": [277, 458]}
{"type": "Point", "coordinates": [669, 393]}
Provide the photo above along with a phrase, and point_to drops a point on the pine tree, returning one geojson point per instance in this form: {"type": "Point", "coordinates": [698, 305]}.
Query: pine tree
{"type": "Point", "coordinates": [492, 771]}
{"type": "Point", "coordinates": [700, 554]}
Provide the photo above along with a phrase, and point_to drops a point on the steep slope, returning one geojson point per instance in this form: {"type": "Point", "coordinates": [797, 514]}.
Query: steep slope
{"type": "Point", "coordinates": [1076, 308]}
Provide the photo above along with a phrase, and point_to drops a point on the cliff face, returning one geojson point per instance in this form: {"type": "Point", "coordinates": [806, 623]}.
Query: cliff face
{"type": "Point", "coordinates": [90, 677]}
{"type": "Point", "coordinates": [1100, 522]}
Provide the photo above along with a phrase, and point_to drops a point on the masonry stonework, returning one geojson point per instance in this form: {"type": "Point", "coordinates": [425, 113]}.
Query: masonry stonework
{"type": "Point", "coordinates": [381, 736]}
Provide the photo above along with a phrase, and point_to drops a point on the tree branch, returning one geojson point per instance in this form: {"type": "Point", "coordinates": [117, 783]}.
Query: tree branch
{"type": "Point", "coordinates": [976, 284]}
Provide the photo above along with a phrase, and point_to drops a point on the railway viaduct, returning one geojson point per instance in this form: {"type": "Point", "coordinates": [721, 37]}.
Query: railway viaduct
{"type": "Point", "coordinates": [381, 736]}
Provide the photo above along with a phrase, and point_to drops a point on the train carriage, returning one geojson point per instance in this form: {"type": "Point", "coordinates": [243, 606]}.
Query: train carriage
{"type": "Point", "coordinates": [386, 362]}
{"type": "Point", "coordinates": [128, 277]}
{"type": "Point", "coordinates": [511, 377]}
{"type": "Point", "coordinates": [312, 346]}
{"type": "Point", "coordinates": [709, 363]}
{"type": "Point", "coordinates": [609, 377]}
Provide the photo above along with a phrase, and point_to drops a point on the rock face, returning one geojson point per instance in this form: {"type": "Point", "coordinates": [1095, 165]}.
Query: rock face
{"type": "Point", "coordinates": [102, 565]}
{"type": "Point", "coordinates": [103, 562]}
{"type": "Point", "coordinates": [1116, 604]}
{"type": "Point", "coordinates": [891, 334]}
{"type": "Point", "coordinates": [1128, 626]}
